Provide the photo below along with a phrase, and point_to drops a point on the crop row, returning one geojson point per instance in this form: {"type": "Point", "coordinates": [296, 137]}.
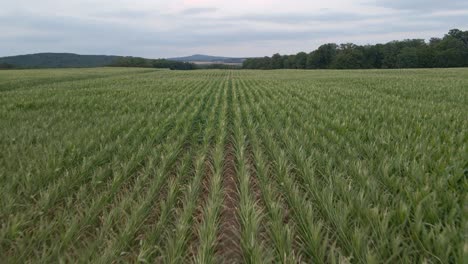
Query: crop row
{"type": "Point", "coordinates": [233, 166]}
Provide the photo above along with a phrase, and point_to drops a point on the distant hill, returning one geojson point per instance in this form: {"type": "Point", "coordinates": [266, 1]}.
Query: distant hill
{"type": "Point", "coordinates": [199, 58]}
{"type": "Point", "coordinates": [71, 60]}
{"type": "Point", "coordinates": [58, 60]}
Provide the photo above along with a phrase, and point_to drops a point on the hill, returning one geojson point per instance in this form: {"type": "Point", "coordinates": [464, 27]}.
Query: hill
{"type": "Point", "coordinates": [200, 58]}
{"type": "Point", "coordinates": [71, 60]}
{"type": "Point", "coordinates": [58, 60]}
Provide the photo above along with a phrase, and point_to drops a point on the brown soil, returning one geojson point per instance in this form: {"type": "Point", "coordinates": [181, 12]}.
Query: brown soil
{"type": "Point", "coordinates": [228, 246]}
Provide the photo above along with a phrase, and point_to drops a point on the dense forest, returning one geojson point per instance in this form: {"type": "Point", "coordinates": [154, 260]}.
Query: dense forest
{"type": "Point", "coordinates": [6, 66]}
{"type": "Point", "coordinates": [449, 51]}
{"type": "Point", "coordinates": [152, 63]}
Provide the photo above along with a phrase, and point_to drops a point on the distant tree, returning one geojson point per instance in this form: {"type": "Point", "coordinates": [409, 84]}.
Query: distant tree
{"type": "Point", "coordinates": [257, 63]}
{"type": "Point", "coordinates": [266, 63]}
{"type": "Point", "coordinates": [148, 63]}
{"type": "Point", "coordinates": [292, 62]}
{"type": "Point", "coordinates": [349, 56]}
{"type": "Point", "coordinates": [408, 58]}
{"type": "Point", "coordinates": [311, 60]}
{"type": "Point", "coordinates": [426, 57]}
{"type": "Point", "coordinates": [286, 63]}
{"type": "Point", "coordinates": [301, 60]}
{"type": "Point", "coordinates": [249, 63]}
{"type": "Point", "coordinates": [373, 56]}
{"type": "Point", "coordinates": [6, 66]}
{"type": "Point", "coordinates": [450, 51]}
{"type": "Point", "coordinates": [393, 49]}
{"type": "Point", "coordinates": [390, 52]}
{"type": "Point", "coordinates": [460, 35]}
{"type": "Point", "coordinates": [325, 55]}
{"type": "Point", "coordinates": [276, 61]}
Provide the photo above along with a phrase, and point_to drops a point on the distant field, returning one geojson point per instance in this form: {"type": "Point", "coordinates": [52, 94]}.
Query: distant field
{"type": "Point", "coordinates": [124, 165]}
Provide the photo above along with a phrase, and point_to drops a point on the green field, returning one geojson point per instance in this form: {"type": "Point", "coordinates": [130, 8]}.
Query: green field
{"type": "Point", "coordinates": [125, 165]}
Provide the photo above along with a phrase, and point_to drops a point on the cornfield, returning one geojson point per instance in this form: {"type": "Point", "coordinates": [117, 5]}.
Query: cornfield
{"type": "Point", "coordinates": [217, 166]}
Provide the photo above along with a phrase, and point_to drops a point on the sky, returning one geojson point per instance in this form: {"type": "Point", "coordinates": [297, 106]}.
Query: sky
{"type": "Point", "coordinates": [236, 28]}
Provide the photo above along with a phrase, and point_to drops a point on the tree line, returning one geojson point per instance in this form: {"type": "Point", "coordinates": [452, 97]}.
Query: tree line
{"type": "Point", "coordinates": [6, 66]}
{"type": "Point", "coordinates": [449, 51]}
{"type": "Point", "coordinates": [152, 63]}
{"type": "Point", "coordinates": [168, 64]}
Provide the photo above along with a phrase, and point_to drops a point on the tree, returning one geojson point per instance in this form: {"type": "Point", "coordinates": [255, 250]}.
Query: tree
{"type": "Point", "coordinates": [301, 60]}
{"type": "Point", "coordinates": [349, 57]}
{"type": "Point", "coordinates": [286, 64]}
{"type": "Point", "coordinates": [148, 63]}
{"type": "Point", "coordinates": [434, 41]}
{"type": "Point", "coordinates": [312, 60]}
{"type": "Point", "coordinates": [450, 51]}
{"type": "Point", "coordinates": [276, 61]}
{"type": "Point", "coordinates": [460, 35]}
{"type": "Point", "coordinates": [408, 58]}
{"type": "Point", "coordinates": [266, 63]}
{"type": "Point", "coordinates": [373, 56]}
{"type": "Point", "coordinates": [292, 62]}
{"type": "Point", "coordinates": [426, 57]}
{"type": "Point", "coordinates": [325, 55]}
{"type": "Point", "coordinates": [6, 66]}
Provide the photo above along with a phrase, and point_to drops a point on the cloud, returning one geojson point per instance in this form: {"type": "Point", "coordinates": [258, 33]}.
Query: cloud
{"type": "Point", "coordinates": [62, 25]}
{"type": "Point", "coordinates": [298, 18]}
{"type": "Point", "coordinates": [126, 14]}
{"type": "Point", "coordinates": [423, 5]}
{"type": "Point", "coordinates": [199, 10]}
{"type": "Point", "coordinates": [243, 28]}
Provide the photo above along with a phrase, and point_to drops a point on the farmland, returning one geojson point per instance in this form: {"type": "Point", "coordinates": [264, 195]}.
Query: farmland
{"type": "Point", "coordinates": [125, 165]}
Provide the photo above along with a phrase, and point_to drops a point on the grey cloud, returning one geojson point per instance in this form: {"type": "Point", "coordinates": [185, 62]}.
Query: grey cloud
{"type": "Point", "coordinates": [298, 18]}
{"type": "Point", "coordinates": [128, 14]}
{"type": "Point", "coordinates": [99, 36]}
{"type": "Point", "coordinates": [51, 23]}
{"type": "Point", "coordinates": [199, 10]}
{"type": "Point", "coordinates": [422, 5]}
{"type": "Point", "coordinates": [69, 27]}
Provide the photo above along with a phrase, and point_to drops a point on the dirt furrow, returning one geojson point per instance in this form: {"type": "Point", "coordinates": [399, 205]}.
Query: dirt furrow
{"type": "Point", "coordinates": [228, 248]}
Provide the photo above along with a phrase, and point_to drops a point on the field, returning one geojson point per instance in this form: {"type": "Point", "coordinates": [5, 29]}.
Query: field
{"type": "Point", "coordinates": [126, 165]}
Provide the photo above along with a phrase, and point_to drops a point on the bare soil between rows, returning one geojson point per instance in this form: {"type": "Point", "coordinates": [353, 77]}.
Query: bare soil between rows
{"type": "Point", "coordinates": [228, 246]}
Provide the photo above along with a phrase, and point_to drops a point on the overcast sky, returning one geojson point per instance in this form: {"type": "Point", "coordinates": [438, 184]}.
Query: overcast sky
{"type": "Point", "coordinates": [154, 29]}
